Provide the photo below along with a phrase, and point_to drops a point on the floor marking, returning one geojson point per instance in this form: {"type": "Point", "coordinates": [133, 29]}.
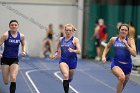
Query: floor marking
{"type": "Point", "coordinates": [103, 83]}
{"type": "Point", "coordinates": [26, 81]}
{"type": "Point", "coordinates": [33, 84]}
{"type": "Point", "coordinates": [56, 74]}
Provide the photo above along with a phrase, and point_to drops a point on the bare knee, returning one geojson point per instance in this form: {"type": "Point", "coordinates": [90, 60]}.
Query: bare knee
{"type": "Point", "coordinates": [121, 78]}
{"type": "Point", "coordinates": [13, 78]}
{"type": "Point", "coordinates": [66, 76]}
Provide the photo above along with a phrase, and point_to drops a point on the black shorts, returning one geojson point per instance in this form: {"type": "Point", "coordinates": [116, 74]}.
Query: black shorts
{"type": "Point", "coordinates": [9, 61]}
{"type": "Point", "coordinates": [97, 42]}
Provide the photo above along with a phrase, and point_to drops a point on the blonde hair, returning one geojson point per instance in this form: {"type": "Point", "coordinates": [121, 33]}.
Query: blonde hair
{"type": "Point", "coordinates": [70, 25]}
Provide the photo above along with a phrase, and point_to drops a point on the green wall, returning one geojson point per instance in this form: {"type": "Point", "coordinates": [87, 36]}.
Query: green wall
{"type": "Point", "coordinates": [112, 14]}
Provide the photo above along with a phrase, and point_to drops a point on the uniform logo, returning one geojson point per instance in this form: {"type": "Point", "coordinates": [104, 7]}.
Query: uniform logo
{"type": "Point", "coordinates": [14, 41]}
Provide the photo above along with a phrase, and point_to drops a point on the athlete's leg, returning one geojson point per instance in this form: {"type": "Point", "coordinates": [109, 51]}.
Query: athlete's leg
{"type": "Point", "coordinates": [71, 74]}
{"type": "Point", "coordinates": [117, 71]}
{"type": "Point", "coordinates": [50, 43]}
{"type": "Point", "coordinates": [98, 51]}
{"type": "Point", "coordinates": [65, 71]}
{"type": "Point", "coordinates": [13, 75]}
{"type": "Point", "coordinates": [44, 50]}
{"type": "Point", "coordinates": [5, 73]}
{"type": "Point", "coordinates": [126, 80]}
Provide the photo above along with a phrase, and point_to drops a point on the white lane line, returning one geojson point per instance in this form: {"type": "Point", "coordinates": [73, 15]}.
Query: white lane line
{"type": "Point", "coordinates": [31, 81]}
{"type": "Point", "coordinates": [26, 81]}
{"type": "Point", "coordinates": [56, 74]}
{"type": "Point", "coordinates": [33, 84]}
{"type": "Point", "coordinates": [103, 83]}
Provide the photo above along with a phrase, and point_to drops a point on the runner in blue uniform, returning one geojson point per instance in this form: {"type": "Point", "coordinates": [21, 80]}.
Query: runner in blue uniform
{"type": "Point", "coordinates": [124, 47]}
{"type": "Point", "coordinates": [9, 58]}
{"type": "Point", "coordinates": [68, 47]}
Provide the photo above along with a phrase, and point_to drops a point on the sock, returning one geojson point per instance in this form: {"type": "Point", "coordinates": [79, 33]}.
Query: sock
{"type": "Point", "coordinates": [12, 87]}
{"type": "Point", "coordinates": [66, 86]}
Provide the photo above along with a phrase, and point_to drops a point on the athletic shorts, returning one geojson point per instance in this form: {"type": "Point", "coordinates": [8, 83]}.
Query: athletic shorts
{"type": "Point", "coordinates": [126, 68]}
{"type": "Point", "coordinates": [97, 42]}
{"type": "Point", "coordinates": [72, 65]}
{"type": "Point", "coordinates": [9, 61]}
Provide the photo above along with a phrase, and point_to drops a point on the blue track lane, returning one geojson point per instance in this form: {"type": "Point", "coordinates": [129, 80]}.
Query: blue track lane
{"type": "Point", "coordinates": [39, 76]}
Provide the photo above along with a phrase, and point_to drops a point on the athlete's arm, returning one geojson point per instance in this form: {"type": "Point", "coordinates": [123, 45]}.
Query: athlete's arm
{"type": "Point", "coordinates": [131, 46]}
{"type": "Point", "coordinates": [23, 46]}
{"type": "Point", "coordinates": [58, 45]}
{"type": "Point", "coordinates": [77, 44]}
{"type": "Point", "coordinates": [3, 38]}
{"type": "Point", "coordinates": [47, 33]}
{"type": "Point", "coordinates": [96, 31]}
{"type": "Point", "coordinates": [58, 51]}
{"type": "Point", "coordinates": [107, 48]}
{"type": "Point", "coordinates": [50, 45]}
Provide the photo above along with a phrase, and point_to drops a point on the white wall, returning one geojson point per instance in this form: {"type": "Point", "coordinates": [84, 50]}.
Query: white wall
{"type": "Point", "coordinates": [80, 22]}
{"type": "Point", "coordinates": [41, 1]}
{"type": "Point", "coordinates": [33, 18]}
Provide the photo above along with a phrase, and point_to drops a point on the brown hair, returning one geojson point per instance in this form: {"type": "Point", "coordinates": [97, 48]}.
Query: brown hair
{"type": "Point", "coordinates": [124, 25]}
{"type": "Point", "coordinates": [13, 21]}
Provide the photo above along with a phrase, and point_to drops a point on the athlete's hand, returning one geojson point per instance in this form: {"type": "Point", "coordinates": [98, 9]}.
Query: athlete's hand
{"type": "Point", "coordinates": [70, 49]}
{"type": "Point", "coordinates": [125, 42]}
{"type": "Point", "coordinates": [55, 56]}
{"type": "Point", "coordinates": [104, 59]}
{"type": "Point", "coordinates": [50, 55]}
{"type": "Point", "coordinates": [23, 54]}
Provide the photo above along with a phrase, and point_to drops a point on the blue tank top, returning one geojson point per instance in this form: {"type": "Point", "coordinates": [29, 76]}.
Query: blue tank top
{"type": "Point", "coordinates": [121, 52]}
{"type": "Point", "coordinates": [11, 46]}
{"type": "Point", "coordinates": [67, 56]}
